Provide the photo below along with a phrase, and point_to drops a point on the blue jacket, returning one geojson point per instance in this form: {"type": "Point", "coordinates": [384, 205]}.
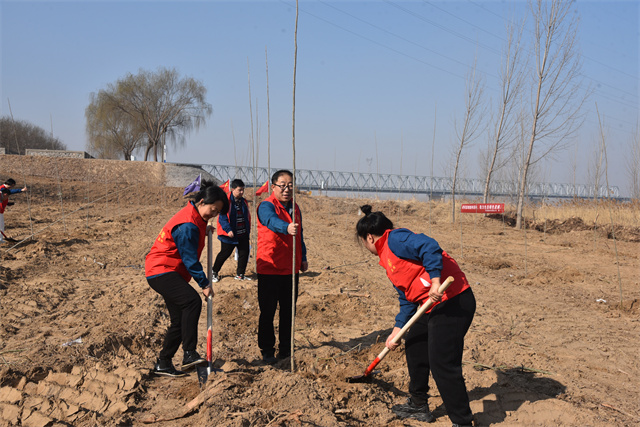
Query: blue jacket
{"type": "Point", "coordinates": [417, 247]}
{"type": "Point", "coordinates": [187, 236]}
{"type": "Point", "coordinates": [228, 222]}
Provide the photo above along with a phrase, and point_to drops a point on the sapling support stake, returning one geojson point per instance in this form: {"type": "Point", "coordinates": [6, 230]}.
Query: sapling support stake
{"type": "Point", "coordinates": [293, 143]}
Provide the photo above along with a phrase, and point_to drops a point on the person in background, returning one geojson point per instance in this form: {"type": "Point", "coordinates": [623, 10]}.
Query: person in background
{"type": "Point", "coordinates": [171, 263]}
{"type": "Point", "coordinates": [233, 232]}
{"type": "Point", "coordinates": [6, 190]}
{"type": "Point", "coordinates": [414, 264]}
{"type": "Point", "coordinates": [276, 234]}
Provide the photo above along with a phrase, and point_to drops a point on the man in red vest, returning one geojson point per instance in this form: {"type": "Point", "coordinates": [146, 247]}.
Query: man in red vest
{"type": "Point", "coordinates": [279, 223]}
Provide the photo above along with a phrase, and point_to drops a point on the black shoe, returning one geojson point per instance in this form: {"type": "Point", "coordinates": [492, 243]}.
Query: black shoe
{"type": "Point", "coordinates": [411, 410]}
{"type": "Point", "coordinates": [192, 359]}
{"type": "Point", "coordinates": [283, 355]}
{"type": "Point", "coordinates": [165, 368]}
{"type": "Point", "coordinates": [269, 358]}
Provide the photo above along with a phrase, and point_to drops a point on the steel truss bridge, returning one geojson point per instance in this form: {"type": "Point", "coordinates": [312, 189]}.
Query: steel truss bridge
{"type": "Point", "coordinates": [438, 187]}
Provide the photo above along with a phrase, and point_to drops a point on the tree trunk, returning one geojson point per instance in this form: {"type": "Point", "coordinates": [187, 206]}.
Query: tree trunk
{"type": "Point", "coordinates": [453, 186]}
{"type": "Point", "coordinates": [522, 192]}
{"type": "Point", "coordinates": [487, 183]}
{"type": "Point", "coordinates": [146, 151]}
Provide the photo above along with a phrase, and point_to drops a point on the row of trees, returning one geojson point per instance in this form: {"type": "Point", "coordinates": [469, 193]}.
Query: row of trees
{"type": "Point", "coordinates": [17, 136]}
{"type": "Point", "coordinates": [541, 97]}
{"type": "Point", "coordinates": [144, 110]}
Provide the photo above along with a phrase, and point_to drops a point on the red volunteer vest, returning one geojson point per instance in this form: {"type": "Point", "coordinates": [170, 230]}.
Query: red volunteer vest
{"type": "Point", "coordinates": [164, 256]}
{"type": "Point", "coordinates": [275, 250]}
{"type": "Point", "coordinates": [411, 277]}
{"type": "Point", "coordinates": [219, 228]}
{"type": "Point", "coordinates": [3, 205]}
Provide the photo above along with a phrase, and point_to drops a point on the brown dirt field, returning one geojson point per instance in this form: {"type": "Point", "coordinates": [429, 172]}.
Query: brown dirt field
{"type": "Point", "coordinates": [550, 344]}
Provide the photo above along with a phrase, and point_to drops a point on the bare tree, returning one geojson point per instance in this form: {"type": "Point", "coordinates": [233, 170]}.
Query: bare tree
{"type": "Point", "coordinates": [512, 83]}
{"type": "Point", "coordinates": [162, 104]}
{"type": "Point", "coordinates": [603, 140]}
{"type": "Point", "coordinates": [470, 128]}
{"type": "Point", "coordinates": [595, 170]}
{"type": "Point", "coordinates": [633, 164]}
{"type": "Point", "coordinates": [110, 132]}
{"type": "Point", "coordinates": [557, 93]}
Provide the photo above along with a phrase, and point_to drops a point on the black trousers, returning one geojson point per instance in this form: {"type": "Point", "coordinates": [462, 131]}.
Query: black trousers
{"type": "Point", "coordinates": [435, 344]}
{"type": "Point", "coordinates": [273, 291]}
{"type": "Point", "coordinates": [184, 305]}
{"type": "Point", "coordinates": [226, 249]}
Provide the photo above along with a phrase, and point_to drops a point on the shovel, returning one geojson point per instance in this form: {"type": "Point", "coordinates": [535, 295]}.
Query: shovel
{"type": "Point", "coordinates": [204, 370]}
{"type": "Point", "coordinates": [8, 239]}
{"type": "Point", "coordinates": [426, 306]}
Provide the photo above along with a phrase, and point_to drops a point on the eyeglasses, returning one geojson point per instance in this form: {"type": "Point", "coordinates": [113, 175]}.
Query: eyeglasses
{"type": "Point", "coordinates": [283, 186]}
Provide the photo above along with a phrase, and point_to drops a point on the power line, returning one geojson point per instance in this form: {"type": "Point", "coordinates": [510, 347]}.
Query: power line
{"type": "Point", "coordinates": [378, 43]}
{"type": "Point", "coordinates": [442, 27]}
{"type": "Point", "coordinates": [394, 34]}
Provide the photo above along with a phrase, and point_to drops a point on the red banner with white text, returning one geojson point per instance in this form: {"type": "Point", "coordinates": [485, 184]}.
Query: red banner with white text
{"type": "Point", "coordinates": [482, 208]}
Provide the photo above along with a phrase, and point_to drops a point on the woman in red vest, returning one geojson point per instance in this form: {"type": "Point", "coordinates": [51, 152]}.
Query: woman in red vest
{"type": "Point", "coordinates": [414, 263]}
{"type": "Point", "coordinates": [274, 262]}
{"type": "Point", "coordinates": [172, 261]}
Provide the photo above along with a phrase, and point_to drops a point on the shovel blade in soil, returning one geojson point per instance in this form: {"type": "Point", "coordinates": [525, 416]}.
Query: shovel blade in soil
{"type": "Point", "coordinates": [203, 374]}
{"type": "Point", "coordinates": [362, 378]}
{"type": "Point", "coordinates": [204, 371]}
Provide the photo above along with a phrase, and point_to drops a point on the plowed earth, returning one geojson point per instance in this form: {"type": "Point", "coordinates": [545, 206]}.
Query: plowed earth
{"type": "Point", "coordinates": [551, 344]}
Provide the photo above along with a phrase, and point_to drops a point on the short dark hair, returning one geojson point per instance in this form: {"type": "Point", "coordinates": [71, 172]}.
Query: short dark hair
{"type": "Point", "coordinates": [237, 183]}
{"type": "Point", "coordinates": [279, 173]}
{"type": "Point", "coordinates": [10, 181]}
{"type": "Point", "coordinates": [210, 193]}
{"type": "Point", "coordinates": [374, 223]}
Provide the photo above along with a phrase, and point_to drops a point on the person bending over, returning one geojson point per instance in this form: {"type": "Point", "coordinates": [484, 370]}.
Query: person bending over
{"type": "Point", "coordinates": [414, 264]}
{"type": "Point", "coordinates": [172, 261]}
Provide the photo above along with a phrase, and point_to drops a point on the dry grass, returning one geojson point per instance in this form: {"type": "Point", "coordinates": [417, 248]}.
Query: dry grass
{"type": "Point", "coordinates": [590, 211]}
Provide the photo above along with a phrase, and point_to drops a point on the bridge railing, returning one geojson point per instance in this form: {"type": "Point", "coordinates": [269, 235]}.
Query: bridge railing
{"type": "Point", "coordinates": [308, 179]}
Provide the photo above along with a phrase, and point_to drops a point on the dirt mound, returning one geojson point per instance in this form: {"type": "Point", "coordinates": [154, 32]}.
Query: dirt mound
{"type": "Point", "coordinates": [573, 224]}
{"type": "Point", "coordinates": [550, 345]}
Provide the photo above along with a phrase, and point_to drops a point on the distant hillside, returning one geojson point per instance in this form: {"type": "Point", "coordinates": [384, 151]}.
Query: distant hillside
{"type": "Point", "coordinates": [95, 170]}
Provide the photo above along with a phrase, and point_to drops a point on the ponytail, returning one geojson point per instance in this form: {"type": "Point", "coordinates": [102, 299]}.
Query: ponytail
{"type": "Point", "coordinates": [375, 223]}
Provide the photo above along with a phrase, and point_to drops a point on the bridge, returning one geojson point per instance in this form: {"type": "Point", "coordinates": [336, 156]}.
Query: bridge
{"type": "Point", "coordinates": [436, 187]}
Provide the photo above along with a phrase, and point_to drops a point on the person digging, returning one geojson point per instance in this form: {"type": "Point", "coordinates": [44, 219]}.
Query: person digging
{"type": "Point", "coordinates": [435, 342]}
{"type": "Point", "coordinates": [171, 263]}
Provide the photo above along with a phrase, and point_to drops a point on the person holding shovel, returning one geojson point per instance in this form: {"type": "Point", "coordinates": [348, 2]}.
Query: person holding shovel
{"type": "Point", "coordinates": [233, 232]}
{"type": "Point", "coordinates": [414, 264]}
{"type": "Point", "coordinates": [6, 190]}
{"type": "Point", "coordinates": [172, 261]}
{"type": "Point", "coordinates": [276, 231]}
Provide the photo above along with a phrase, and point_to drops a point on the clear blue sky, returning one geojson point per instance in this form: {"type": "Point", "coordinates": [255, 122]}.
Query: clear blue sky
{"type": "Point", "coordinates": [369, 75]}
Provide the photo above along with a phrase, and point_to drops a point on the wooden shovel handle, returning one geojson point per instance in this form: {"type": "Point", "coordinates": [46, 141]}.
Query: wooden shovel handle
{"type": "Point", "coordinates": [426, 306]}
{"type": "Point", "coordinates": [423, 308]}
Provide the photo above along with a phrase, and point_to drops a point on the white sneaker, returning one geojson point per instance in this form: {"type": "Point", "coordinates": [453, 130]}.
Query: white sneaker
{"type": "Point", "coordinates": [215, 278]}
{"type": "Point", "coordinates": [242, 277]}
